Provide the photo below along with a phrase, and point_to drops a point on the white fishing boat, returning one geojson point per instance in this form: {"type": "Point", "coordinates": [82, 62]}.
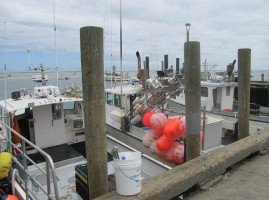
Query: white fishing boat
{"type": "Point", "coordinates": [38, 78]}
{"type": "Point", "coordinates": [116, 76]}
{"type": "Point", "coordinates": [49, 150]}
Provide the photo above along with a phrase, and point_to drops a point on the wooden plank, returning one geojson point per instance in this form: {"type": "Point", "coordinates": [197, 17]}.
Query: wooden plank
{"type": "Point", "coordinates": [177, 180]}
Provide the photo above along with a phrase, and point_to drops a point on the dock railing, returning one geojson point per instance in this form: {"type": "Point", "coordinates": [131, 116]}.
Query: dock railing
{"type": "Point", "coordinates": [23, 180]}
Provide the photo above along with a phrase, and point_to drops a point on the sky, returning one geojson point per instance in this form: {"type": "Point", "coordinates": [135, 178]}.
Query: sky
{"type": "Point", "coordinates": [152, 27]}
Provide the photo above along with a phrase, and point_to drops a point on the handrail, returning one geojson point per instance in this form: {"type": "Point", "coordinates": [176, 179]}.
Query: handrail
{"type": "Point", "coordinates": [48, 160]}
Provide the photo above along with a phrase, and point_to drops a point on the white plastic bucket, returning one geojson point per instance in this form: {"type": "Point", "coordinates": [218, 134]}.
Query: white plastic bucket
{"type": "Point", "coordinates": [128, 173]}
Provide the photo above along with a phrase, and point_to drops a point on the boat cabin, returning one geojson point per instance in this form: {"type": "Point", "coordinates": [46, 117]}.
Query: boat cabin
{"type": "Point", "coordinates": [46, 121]}
{"type": "Point", "coordinates": [215, 96]}
{"type": "Point", "coordinates": [119, 100]}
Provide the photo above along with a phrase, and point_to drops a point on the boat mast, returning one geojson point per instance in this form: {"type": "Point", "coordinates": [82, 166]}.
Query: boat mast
{"type": "Point", "coordinates": [28, 58]}
{"type": "Point", "coordinates": [5, 67]}
{"type": "Point", "coordinates": [121, 51]}
{"type": "Point", "coordinates": [56, 57]}
{"type": "Point", "coordinates": [111, 58]}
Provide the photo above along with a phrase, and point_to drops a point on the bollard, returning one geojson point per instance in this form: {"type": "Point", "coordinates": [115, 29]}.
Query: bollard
{"type": "Point", "coordinates": [165, 62]}
{"type": "Point", "coordinates": [244, 65]}
{"type": "Point", "coordinates": [177, 65]}
{"type": "Point", "coordinates": [192, 98]}
{"type": "Point", "coordinates": [147, 66]}
{"type": "Point", "coordinates": [92, 67]}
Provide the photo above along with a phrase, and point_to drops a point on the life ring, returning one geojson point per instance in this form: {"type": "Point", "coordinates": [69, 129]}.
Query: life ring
{"type": "Point", "coordinates": [227, 110]}
{"type": "Point", "coordinates": [16, 139]}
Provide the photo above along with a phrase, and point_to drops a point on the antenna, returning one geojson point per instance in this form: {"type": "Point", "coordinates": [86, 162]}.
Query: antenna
{"type": "Point", "coordinates": [5, 66]}
{"type": "Point", "coordinates": [120, 50]}
{"type": "Point", "coordinates": [56, 57]}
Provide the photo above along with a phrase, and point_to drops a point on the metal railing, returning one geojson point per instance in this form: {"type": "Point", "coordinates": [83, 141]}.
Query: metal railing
{"type": "Point", "coordinates": [49, 168]}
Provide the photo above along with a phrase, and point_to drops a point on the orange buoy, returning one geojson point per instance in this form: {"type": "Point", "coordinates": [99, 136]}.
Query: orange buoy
{"type": "Point", "coordinates": [16, 139]}
{"type": "Point", "coordinates": [171, 129]}
{"type": "Point", "coordinates": [8, 197]}
{"type": "Point", "coordinates": [164, 143]}
{"type": "Point", "coordinates": [155, 150]}
{"type": "Point", "coordinates": [146, 119]}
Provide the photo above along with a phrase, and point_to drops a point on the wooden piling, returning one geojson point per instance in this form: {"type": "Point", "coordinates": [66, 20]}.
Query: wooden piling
{"type": "Point", "coordinates": [165, 62]}
{"type": "Point", "coordinates": [92, 67]}
{"type": "Point", "coordinates": [244, 65]}
{"type": "Point", "coordinates": [177, 65]}
{"type": "Point", "coordinates": [262, 77]}
{"type": "Point", "coordinates": [147, 66]}
{"type": "Point", "coordinates": [192, 98]}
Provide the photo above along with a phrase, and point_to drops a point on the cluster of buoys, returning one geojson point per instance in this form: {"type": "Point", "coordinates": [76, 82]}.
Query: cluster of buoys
{"type": "Point", "coordinates": [162, 137]}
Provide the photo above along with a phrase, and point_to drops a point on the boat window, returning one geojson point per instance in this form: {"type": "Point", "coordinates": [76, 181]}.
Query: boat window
{"type": "Point", "coordinates": [204, 91]}
{"type": "Point", "coordinates": [56, 111]}
{"type": "Point", "coordinates": [20, 112]}
{"type": "Point", "coordinates": [117, 100]}
{"type": "Point", "coordinates": [228, 91]}
{"type": "Point", "coordinates": [109, 98]}
{"type": "Point", "coordinates": [69, 105]}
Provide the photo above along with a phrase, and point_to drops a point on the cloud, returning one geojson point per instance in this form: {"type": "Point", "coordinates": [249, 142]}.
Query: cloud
{"type": "Point", "coordinates": [153, 27]}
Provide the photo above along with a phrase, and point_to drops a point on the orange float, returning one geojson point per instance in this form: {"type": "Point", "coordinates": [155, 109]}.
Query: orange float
{"type": "Point", "coordinates": [170, 134]}
{"type": "Point", "coordinates": [146, 119]}
{"type": "Point", "coordinates": [16, 139]}
{"type": "Point", "coordinates": [9, 197]}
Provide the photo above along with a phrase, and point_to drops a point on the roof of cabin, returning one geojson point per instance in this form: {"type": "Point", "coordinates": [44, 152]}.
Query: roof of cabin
{"type": "Point", "coordinates": [27, 101]}
{"type": "Point", "coordinates": [126, 89]}
{"type": "Point", "coordinates": [216, 84]}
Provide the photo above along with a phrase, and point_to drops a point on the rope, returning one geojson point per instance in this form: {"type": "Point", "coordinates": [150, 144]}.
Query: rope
{"type": "Point", "coordinates": [7, 141]}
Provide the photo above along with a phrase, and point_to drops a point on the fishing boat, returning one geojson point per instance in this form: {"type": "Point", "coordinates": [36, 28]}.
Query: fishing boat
{"type": "Point", "coordinates": [45, 135]}
{"type": "Point", "coordinates": [116, 76]}
{"type": "Point", "coordinates": [38, 78]}
{"type": "Point", "coordinates": [63, 77]}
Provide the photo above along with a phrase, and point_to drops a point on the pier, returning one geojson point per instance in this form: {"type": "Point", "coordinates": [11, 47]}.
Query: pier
{"type": "Point", "coordinates": [172, 183]}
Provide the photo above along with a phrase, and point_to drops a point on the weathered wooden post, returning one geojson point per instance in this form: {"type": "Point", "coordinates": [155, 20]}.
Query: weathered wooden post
{"type": "Point", "coordinates": [177, 65]}
{"type": "Point", "coordinates": [147, 66]}
{"type": "Point", "coordinates": [192, 98]}
{"type": "Point", "coordinates": [92, 67]}
{"type": "Point", "coordinates": [244, 65]}
{"type": "Point", "coordinates": [262, 77]}
{"type": "Point", "coordinates": [165, 62]}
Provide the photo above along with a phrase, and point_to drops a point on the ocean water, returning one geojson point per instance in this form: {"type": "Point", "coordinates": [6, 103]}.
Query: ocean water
{"type": "Point", "coordinates": [17, 81]}
{"type": "Point", "coordinates": [24, 80]}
